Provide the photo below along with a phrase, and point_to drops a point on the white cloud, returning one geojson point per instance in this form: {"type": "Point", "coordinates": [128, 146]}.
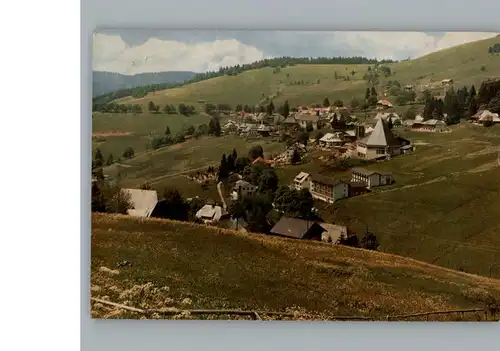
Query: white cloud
{"type": "Point", "coordinates": [111, 53]}
{"type": "Point", "coordinates": [400, 45]}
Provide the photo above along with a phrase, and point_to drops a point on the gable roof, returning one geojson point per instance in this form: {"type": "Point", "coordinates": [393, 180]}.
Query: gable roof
{"type": "Point", "coordinates": [301, 177]}
{"type": "Point", "coordinates": [384, 102]}
{"type": "Point", "coordinates": [307, 117]}
{"type": "Point", "coordinates": [243, 183]}
{"type": "Point", "coordinates": [331, 137]}
{"type": "Point", "coordinates": [294, 227]}
{"type": "Point", "coordinates": [380, 136]}
{"type": "Point", "coordinates": [318, 178]}
{"type": "Point", "coordinates": [363, 171]}
{"type": "Point", "coordinates": [143, 202]}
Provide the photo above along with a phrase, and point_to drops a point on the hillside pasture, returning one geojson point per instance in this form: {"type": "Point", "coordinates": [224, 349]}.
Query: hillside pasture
{"type": "Point", "coordinates": [186, 265]}
{"type": "Point", "coordinates": [168, 165]}
{"type": "Point", "coordinates": [114, 132]}
{"type": "Point", "coordinates": [444, 206]}
{"type": "Point", "coordinates": [310, 84]}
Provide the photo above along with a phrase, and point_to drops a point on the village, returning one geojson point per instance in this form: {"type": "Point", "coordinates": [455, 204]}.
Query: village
{"type": "Point", "coordinates": [368, 139]}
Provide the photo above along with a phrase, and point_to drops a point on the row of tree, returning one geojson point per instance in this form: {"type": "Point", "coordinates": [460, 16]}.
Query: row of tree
{"type": "Point", "coordinates": [98, 161]}
{"type": "Point", "coordinates": [280, 62]}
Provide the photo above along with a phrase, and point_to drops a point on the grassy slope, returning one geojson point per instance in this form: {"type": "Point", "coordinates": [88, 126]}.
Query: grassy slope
{"type": "Point", "coordinates": [140, 126]}
{"type": "Point", "coordinates": [452, 220]}
{"type": "Point", "coordinates": [162, 167]}
{"type": "Point", "coordinates": [221, 269]}
{"type": "Point", "coordinates": [461, 63]}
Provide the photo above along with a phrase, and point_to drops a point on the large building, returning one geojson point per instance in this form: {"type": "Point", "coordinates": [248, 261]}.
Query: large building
{"type": "Point", "coordinates": [328, 189]}
{"type": "Point", "coordinates": [380, 143]}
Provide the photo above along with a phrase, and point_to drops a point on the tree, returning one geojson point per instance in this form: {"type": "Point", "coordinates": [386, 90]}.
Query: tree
{"type": "Point", "coordinates": [173, 206]}
{"type": "Point", "coordinates": [268, 180]}
{"type": "Point", "coordinates": [286, 109]}
{"type": "Point", "coordinates": [326, 102]}
{"type": "Point", "coordinates": [349, 240]}
{"type": "Point", "coordinates": [369, 241]}
{"type": "Point", "coordinates": [190, 130]}
{"type": "Point", "coordinates": [255, 152]}
{"type": "Point", "coordinates": [98, 158]}
{"type": "Point", "coordinates": [223, 168]}
{"type": "Point", "coordinates": [295, 157]}
{"type": "Point", "coordinates": [338, 103]}
{"type": "Point", "coordinates": [217, 131]}
{"type": "Point", "coordinates": [110, 160]}
{"type": "Point", "coordinates": [319, 134]}
{"type": "Point", "coordinates": [309, 126]}
{"type": "Point", "coordinates": [373, 92]}
{"type": "Point", "coordinates": [241, 163]}
{"type": "Point", "coordinates": [151, 106]}
{"type": "Point", "coordinates": [146, 186]}
{"type": "Point", "coordinates": [473, 107]}
{"type": "Point", "coordinates": [389, 123]}
{"type": "Point", "coordinates": [294, 203]}
{"type": "Point", "coordinates": [270, 108]}
{"type": "Point", "coordinates": [355, 103]}
{"type": "Point", "coordinates": [128, 153]}
{"type": "Point", "coordinates": [256, 209]}
{"type": "Point", "coordinates": [167, 131]}
{"type": "Point", "coordinates": [409, 114]}
{"type": "Point", "coordinates": [367, 93]}
{"type": "Point", "coordinates": [302, 137]}
{"type": "Point", "coordinates": [372, 100]}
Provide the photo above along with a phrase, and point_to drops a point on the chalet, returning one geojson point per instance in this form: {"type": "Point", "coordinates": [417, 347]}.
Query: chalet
{"type": "Point", "coordinates": [379, 143]}
{"type": "Point", "coordinates": [432, 125]}
{"type": "Point", "coordinates": [384, 104]}
{"type": "Point", "coordinates": [302, 181]}
{"type": "Point", "coordinates": [304, 119]}
{"type": "Point", "coordinates": [371, 178]}
{"type": "Point", "coordinates": [296, 228]}
{"type": "Point", "coordinates": [447, 82]}
{"type": "Point", "coordinates": [263, 130]}
{"type": "Point", "coordinates": [330, 140]}
{"type": "Point", "coordinates": [143, 202]}
{"type": "Point", "coordinates": [242, 188]}
{"type": "Point", "coordinates": [484, 116]}
{"type": "Point", "coordinates": [210, 214]}
{"type": "Point", "coordinates": [333, 232]}
{"type": "Point", "coordinates": [328, 189]}
{"type": "Point", "coordinates": [290, 123]}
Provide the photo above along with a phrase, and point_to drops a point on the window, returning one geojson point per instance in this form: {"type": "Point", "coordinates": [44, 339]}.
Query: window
{"type": "Point", "coordinates": [380, 151]}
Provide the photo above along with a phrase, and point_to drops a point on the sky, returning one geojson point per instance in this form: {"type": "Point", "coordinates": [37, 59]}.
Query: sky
{"type": "Point", "coordinates": [132, 51]}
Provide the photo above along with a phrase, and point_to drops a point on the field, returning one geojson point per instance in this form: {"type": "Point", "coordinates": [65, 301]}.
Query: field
{"type": "Point", "coordinates": [444, 206]}
{"type": "Point", "coordinates": [182, 265]}
{"type": "Point", "coordinates": [167, 167]}
{"type": "Point", "coordinates": [462, 63]}
{"type": "Point", "coordinates": [140, 129]}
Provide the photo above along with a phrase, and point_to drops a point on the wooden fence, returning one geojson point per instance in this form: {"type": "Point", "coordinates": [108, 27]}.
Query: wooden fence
{"type": "Point", "coordinates": [481, 314]}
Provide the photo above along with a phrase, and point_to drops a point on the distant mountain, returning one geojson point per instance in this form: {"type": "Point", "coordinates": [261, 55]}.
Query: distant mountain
{"type": "Point", "coordinates": [107, 82]}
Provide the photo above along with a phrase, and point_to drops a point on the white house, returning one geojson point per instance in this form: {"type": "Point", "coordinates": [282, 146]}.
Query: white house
{"type": "Point", "coordinates": [305, 118]}
{"type": "Point", "coordinates": [331, 139]}
{"type": "Point", "coordinates": [431, 125]}
{"type": "Point", "coordinates": [302, 181]}
{"type": "Point", "coordinates": [328, 189]}
{"type": "Point", "coordinates": [371, 178]}
{"type": "Point", "coordinates": [242, 188]}
{"type": "Point", "coordinates": [209, 214]}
